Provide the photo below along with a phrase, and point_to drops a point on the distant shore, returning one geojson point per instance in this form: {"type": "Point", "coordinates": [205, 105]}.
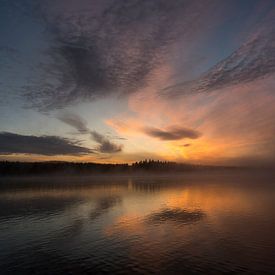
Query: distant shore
{"type": "Point", "coordinates": [19, 169]}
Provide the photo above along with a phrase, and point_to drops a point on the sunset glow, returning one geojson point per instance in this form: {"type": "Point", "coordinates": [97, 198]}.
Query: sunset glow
{"type": "Point", "coordinates": [198, 90]}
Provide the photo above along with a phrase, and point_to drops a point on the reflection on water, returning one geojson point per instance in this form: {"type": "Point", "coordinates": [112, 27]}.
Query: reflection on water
{"type": "Point", "coordinates": [177, 215]}
{"type": "Point", "coordinates": [191, 224]}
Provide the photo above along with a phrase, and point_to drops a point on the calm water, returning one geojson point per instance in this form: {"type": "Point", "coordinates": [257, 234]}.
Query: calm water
{"type": "Point", "coordinates": [192, 224]}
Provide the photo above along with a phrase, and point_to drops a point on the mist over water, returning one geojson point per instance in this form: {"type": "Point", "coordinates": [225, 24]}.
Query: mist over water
{"type": "Point", "coordinates": [204, 224]}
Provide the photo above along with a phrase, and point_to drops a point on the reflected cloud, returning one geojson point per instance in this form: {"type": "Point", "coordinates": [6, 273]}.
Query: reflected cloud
{"type": "Point", "coordinates": [72, 230]}
{"type": "Point", "coordinates": [103, 205]}
{"type": "Point", "coordinates": [177, 215]}
{"type": "Point", "coordinates": [28, 206]}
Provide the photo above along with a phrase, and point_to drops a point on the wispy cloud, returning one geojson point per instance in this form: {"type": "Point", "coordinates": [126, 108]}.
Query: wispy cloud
{"type": "Point", "coordinates": [172, 133]}
{"type": "Point", "coordinates": [107, 47]}
{"type": "Point", "coordinates": [253, 60]}
{"type": "Point", "coordinates": [75, 121]}
{"type": "Point", "coordinates": [105, 145]}
{"type": "Point", "coordinates": [186, 145]}
{"type": "Point", "coordinates": [11, 143]}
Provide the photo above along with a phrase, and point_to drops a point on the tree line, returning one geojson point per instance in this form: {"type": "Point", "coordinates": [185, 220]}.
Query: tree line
{"type": "Point", "coordinates": [57, 167]}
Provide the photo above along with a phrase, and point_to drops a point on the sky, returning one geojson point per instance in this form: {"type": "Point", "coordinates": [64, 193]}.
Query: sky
{"type": "Point", "coordinates": [117, 81]}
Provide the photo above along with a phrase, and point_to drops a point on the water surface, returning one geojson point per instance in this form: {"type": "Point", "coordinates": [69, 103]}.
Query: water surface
{"type": "Point", "coordinates": [196, 224]}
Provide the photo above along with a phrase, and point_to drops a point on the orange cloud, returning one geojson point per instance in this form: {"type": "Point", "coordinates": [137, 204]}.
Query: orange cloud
{"type": "Point", "coordinates": [235, 123]}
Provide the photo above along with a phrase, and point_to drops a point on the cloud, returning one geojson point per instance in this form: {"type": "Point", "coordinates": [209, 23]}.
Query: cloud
{"type": "Point", "coordinates": [102, 47]}
{"type": "Point", "coordinates": [106, 47]}
{"type": "Point", "coordinates": [186, 145]}
{"type": "Point", "coordinates": [11, 143]}
{"type": "Point", "coordinates": [75, 121]}
{"type": "Point", "coordinates": [172, 133]}
{"type": "Point", "coordinates": [105, 145]}
{"type": "Point", "coordinates": [253, 60]}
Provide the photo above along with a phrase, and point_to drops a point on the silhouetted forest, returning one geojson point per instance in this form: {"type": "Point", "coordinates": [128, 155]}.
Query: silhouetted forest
{"type": "Point", "coordinates": [8, 168]}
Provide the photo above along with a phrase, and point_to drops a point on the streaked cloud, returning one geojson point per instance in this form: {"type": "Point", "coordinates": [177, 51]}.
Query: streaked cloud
{"type": "Point", "coordinates": [172, 133]}
{"type": "Point", "coordinates": [11, 143]}
{"type": "Point", "coordinates": [253, 60]}
{"type": "Point", "coordinates": [101, 48]}
{"type": "Point", "coordinates": [159, 62]}
{"type": "Point", "coordinates": [186, 145]}
{"type": "Point", "coordinates": [105, 145]}
{"type": "Point", "coordinates": [75, 121]}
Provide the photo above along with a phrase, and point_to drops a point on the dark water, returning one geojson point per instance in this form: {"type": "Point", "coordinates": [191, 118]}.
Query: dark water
{"type": "Point", "coordinates": [192, 224]}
